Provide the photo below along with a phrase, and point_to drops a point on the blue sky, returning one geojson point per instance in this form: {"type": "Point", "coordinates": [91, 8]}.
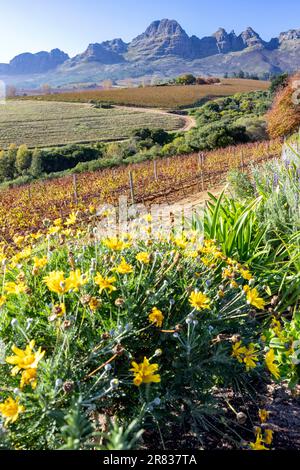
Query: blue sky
{"type": "Point", "coordinates": [33, 25]}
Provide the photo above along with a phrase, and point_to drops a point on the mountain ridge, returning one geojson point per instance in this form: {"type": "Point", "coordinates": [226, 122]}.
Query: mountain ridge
{"type": "Point", "coordinates": [164, 48]}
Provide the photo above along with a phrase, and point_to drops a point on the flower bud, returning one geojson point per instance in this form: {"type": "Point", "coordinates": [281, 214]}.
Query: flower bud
{"type": "Point", "coordinates": [68, 386]}
{"type": "Point", "coordinates": [28, 323]}
{"type": "Point", "coordinates": [275, 301]}
{"type": "Point", "coordinates": [114, 384]}
{"type": "Point", "coordinates": [14, 323]}
{"type": "Point", "coordinates": [241, 418]}
{"type": "Point", "coordinates": [105, 336]}
{"type": "Point", "coordinates": [118, 349]}
{"type": "Point", "coordinates": [58, 383]}
{"type": "Point", "coordinates": [66, 324]}
{"type": "Point", "coordinates": [85, 299]}
{"type": "Point", "coordinates": [158, 353]}
{"type": "Point", "coordinates": [119, 302]}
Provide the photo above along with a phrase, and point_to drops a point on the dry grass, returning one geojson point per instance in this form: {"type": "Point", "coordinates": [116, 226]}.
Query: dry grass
{"type": "Point", "coordinates": [169, 97]}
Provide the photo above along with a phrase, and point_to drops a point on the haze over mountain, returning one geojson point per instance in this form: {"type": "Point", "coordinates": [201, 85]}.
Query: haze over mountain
{"type": "Point", "coordinates": [165, 50]}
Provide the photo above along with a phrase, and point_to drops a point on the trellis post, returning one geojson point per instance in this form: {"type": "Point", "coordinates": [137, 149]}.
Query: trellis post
{"type": "Point", "coordinates": [201, 166]}
{"type": "Point", "coordinates": [75, 188]}
{"type": "Point", "coordinates": [155, 170]}
{"type": "Point", "coordinates": [131, 186]}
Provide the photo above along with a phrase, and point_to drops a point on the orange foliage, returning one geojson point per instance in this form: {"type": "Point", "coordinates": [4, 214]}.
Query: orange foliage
{"type": "Point", "coordinates": [161, 97]}
{"type": "Point", "coordinates": [284, 117]}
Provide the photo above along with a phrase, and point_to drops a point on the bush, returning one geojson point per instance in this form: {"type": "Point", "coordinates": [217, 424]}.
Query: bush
{"type": "Point", "coordinates": [216, 135]}
{"type": "Point", "coordinates": [284, 117]}
{"type": "Point", "coordinates": [36, 169]}
{"type": "Point", "coordinates": [146, 138]}
{"type": "Point", "coordinates": [229, 121]}
{"type": "Point", "coordinates": [187, 79]}
{"type": "Point", "coordinates": [279, 82]}
{"type": "Point", "coordinates": [256, 127]}
{"type": "Point", "coordinates": [55, 160]}
{"type": "Point", "coordinates": [240, 185]}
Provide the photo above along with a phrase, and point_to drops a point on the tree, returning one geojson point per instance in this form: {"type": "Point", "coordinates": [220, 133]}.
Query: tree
{"type": "Point", "coordinates": [4, 167]}
{"type": "Point", "coordinates": [141, 134]}
{"type": "Point", "coordinates": [160, 136]}
{"type": "Point", "coordinates": [36, 168]}
{"type": "Point", "coordinates": [23, 159]}
{"type": "Point", "coordinates": [279, 82]}
{"type": "Point", "coordinates": [187, 79]}
{"type": "Point", "coordinates": [11, 156]}
{"type": "Point", "coordinates": [7, 163]}
{"type": "Point", "coordinates": [212, 80]}
{"type": "Point", "coordinates": [201, 81]}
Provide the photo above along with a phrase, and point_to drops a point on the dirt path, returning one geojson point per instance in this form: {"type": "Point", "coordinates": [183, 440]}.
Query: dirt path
{"type": "Point", "coordinates": [194, 201]}
{"type": "Point", "coordinates": [189, 121]}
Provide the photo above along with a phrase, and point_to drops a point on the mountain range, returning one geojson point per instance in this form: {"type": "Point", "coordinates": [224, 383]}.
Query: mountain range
{"type": "Point", "coordinates": [163, 50]}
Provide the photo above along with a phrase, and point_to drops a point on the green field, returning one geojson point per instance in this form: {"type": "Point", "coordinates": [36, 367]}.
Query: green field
{"type": "Point", "coordinates": [45, 124]}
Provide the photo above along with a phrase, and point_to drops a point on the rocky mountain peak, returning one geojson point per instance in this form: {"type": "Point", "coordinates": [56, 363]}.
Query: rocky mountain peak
{"type": "Point", "coordinates": [226, 42]}
{"type": "Point", "coordinates": [38, 63]}
{"type": "Point", "coordinates": [251, 38]}
{"type": "Point", "coordinates": [291, 35]}
{"type": "Point", "coordinates": [116, 45]}
{"type": "Point", "coordinates": [164, 27]}
{"type": "Point", "coordinates": [221, 33]}
{"type": "Point", "coordinates": [161, 38]}
{"type": "Point", "coordinates": [98, 53]}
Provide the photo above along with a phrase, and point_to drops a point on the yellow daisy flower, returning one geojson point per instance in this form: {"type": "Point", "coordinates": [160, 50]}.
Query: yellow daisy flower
{"type": "Point", "coordinates": [270, 362]}
{"type": "Point", "coordinates": [199, 301]}
{"type": "Point", "coordinates": [145, 373]}
{"type": "Point", "coordinates": [143, 257]}
{"type": "Point", "coordinates": [156, 317]}
{"type": "Point", "coordinates": [124, 267]}
{"type": "Point", "coordinates": [10, 409]}
{"type": "Point", "coordinates": [25, 359]}
{"type": "Point", "coordinates": [105, 283]}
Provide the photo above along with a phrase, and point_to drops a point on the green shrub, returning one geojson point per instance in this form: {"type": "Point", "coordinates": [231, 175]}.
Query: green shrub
{"type": "Point", "coordinates": [240, 185]}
